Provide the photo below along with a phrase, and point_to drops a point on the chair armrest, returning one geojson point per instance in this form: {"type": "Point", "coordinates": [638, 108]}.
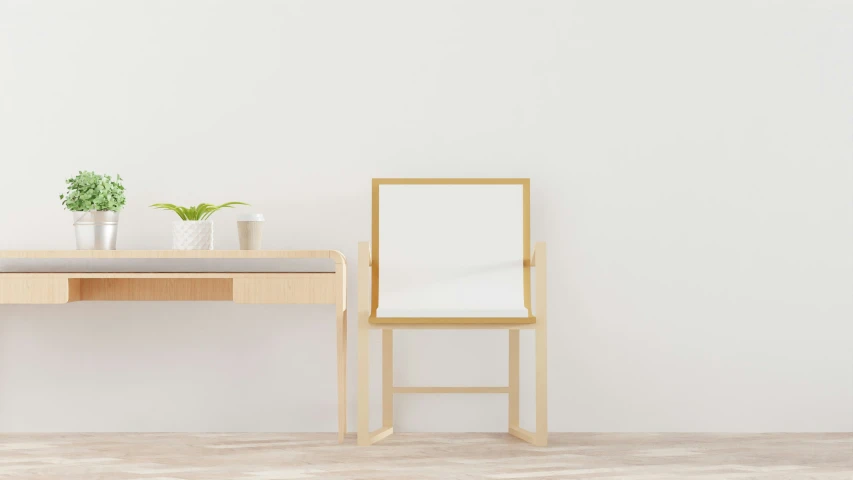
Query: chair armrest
{"type": "Point", "coordinates": [365, 263]}
{"type": "Point", "coordinates": [539, 247]}
{"type": "Point", "coordinates": [540, 260]}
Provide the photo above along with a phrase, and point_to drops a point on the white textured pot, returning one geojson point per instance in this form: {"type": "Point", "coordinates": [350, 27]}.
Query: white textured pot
{"type": "Point", "coordinates": [192, 235]}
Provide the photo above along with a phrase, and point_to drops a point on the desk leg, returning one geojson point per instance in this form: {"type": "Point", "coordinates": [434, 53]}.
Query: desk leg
{"type": "Point", "coordinates": [341, 310]}
{"type": "Point", "coordinates": [363, 330]}
{"type": "Point", "coordinates": [342, 375]}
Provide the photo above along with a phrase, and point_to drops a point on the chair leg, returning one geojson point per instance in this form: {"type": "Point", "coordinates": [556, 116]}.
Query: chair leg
{"type": "Point", "coordinates": [513, 378]}
{"type": "Point", "coordinates": [541, 345]}
{"type": "Point", "coordinates": [387, 378]}
{"type": "Point", "coordinates": [541, 438]}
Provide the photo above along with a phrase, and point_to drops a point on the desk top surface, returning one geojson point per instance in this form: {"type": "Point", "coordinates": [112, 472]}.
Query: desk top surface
{"type": "Point", "coordinates": [167, 254]}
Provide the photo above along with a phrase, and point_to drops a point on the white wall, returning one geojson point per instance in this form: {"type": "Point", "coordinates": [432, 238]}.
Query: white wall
{"type": "Point", "coordinates": [691, 167]}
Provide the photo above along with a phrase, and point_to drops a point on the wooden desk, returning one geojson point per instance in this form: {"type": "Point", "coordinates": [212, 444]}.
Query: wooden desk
{"type": "Point", "coordinates": [284, 288]}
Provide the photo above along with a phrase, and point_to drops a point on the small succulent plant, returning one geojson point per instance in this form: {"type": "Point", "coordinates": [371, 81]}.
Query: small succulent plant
{"type": "Point", "coordinates": [200, 212]}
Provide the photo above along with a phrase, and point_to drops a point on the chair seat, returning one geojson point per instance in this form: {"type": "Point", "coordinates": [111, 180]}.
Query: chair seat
{"type": "Point", "coordinates": [451, 316]}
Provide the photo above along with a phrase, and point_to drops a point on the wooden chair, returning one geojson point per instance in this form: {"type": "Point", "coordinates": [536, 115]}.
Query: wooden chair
{"type": "Point", "coordinates": [450, 254]}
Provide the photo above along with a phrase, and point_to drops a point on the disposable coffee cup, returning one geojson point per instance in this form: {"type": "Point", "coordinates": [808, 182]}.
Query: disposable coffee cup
{"type": "Point", "coordinates": [250, 229]}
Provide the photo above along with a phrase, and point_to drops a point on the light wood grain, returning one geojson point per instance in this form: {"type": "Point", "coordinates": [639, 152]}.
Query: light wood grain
{"type": "Point", "coordinates": [450, 181]}
{"type": "Point", "coordinates": [388, 378]}
{"type": "Point", "coordinates": [304, 288]}
{"type": "Point", "coordinates": [34, 289]}
{"type": "Point", "coordinates": [523, 434]}
{"type": "Point", "coordinates": [161, 275]}
{"type": "Point", "coordinates": [425, 456]}
{"type": "Point", "coordinates": [165, 254]}
{"type": "Point", "coordinates": [541, 346]}
{"type": "Point", "coordinates": [451, 389]}
{"type": "Point", "coordinates": [364, 261]}
{"type": "Point", "coordinates": [380, 434]}
{"type": "Point", "coordinates": [451, 320]}
{"type": "Point", "coordinates": [293, 288]}
{"type": "Point", "coordinates": [155, 289]}
{"type": "Point", "coordinates": [514, 378]}
{"type": "Point", "coordinates": [75, 289]}
{"type": "Point", "coordinates": [453, 326]}
{"type": "Point", "coordinates": [525, 249]}
{"type": "Point", "coordinates": [341, 324]}
{"type": "Point", "coordinates": [373, 251]}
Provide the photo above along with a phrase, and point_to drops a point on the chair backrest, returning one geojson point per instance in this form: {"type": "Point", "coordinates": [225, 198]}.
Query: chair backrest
{"type": "Point", "coordinates": [451, 247]}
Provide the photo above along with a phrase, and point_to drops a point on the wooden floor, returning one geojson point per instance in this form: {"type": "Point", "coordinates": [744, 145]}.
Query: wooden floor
{"type": "Point", "coordinates": [425, 456]}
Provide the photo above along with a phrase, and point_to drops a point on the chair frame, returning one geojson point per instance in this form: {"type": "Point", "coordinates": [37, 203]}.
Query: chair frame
{"type": "Point", "coordinates": [368, 302]}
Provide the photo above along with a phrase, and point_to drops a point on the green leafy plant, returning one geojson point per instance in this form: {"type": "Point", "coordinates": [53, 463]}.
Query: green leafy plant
{"type": "Point", "coordinates": [90, 191]}
{"type": "Point", "coordinates": [200, 212]}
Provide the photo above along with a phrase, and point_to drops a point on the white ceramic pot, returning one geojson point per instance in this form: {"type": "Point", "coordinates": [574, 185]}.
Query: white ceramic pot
{"type": "Point", "coordinates": [192, 235]}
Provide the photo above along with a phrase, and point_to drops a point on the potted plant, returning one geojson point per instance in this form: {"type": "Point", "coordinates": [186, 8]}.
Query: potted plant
{"type": "Point", "coordinates": [194, 231]}
{"type": "Point", "coordinates": [94, 201]}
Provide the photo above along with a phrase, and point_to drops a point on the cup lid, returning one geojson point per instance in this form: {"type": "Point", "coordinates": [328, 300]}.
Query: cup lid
{"type": "Point", "coordinates": [250, 217]}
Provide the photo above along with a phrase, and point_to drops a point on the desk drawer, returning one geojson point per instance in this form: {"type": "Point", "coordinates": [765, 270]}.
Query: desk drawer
{"type": "Point", "coordinates": [35, 289]}
{"type": "Point", "coordinates": [310, 288]}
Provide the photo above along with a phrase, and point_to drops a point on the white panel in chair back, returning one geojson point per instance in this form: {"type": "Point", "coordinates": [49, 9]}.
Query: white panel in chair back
{"type": "Point", "coordinates": [451, 250]}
